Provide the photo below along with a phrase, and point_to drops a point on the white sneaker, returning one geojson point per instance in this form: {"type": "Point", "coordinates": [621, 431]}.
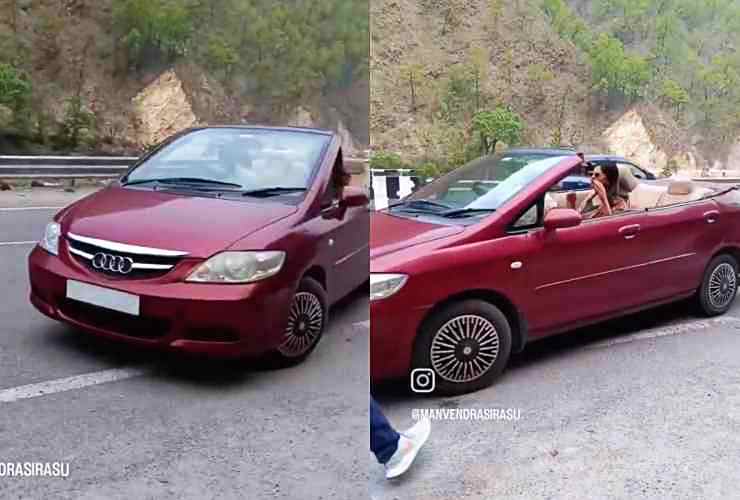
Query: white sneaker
{"type": "Point", "coordinates": [409, 444]}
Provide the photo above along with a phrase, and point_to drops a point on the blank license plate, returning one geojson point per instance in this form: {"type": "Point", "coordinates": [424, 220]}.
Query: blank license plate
{"type": "Point", "coordinates": [103, 297]}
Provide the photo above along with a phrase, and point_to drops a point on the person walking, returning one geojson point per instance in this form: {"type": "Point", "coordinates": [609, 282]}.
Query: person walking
{"type": "Point", "coordinates": [395, 450]}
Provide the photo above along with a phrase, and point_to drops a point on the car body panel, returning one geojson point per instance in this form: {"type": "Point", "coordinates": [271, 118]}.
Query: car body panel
{"type": "Point", "coordinates": [197, 225]}
{"type": "Point", "coordinates": [250, 318]}
{"type": "Point", "coordinates": [394, 233]}
{"type": "Point", "coordinates": [554, 280]}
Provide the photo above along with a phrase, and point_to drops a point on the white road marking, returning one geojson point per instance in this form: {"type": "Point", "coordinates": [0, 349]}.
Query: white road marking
{"type": "Point", "coordinates": [13, 243]}
{"type": "Point", "coordinates": [69, 383]}
{"type": "Point", "coordinates": [16, 209]}
{"type": "Point", "coordinates": [668, 330]}
{"type": "Point", "coordinates": [363, 324]}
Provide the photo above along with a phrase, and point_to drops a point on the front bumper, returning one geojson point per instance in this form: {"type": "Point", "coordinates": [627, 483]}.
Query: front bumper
{"type": "Point", "coordinates": [210, 319]}
{"type": "Point", "coordinates": [393, 329]}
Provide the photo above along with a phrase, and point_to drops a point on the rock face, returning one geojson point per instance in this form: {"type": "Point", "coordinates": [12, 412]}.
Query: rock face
{"type": "Point", "coordinates": [348, 142]}
{"type": "Point", "coordinates": [629, 137]}
{"type": "Point", "coordinates": [162, 109]}
{"type": "Point", "coordinates": [302, 117]}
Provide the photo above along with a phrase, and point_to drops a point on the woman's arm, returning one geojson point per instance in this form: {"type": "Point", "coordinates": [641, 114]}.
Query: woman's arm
{"type": "Point", "coordinates": [585, 201]}
{"type": "Point", "coordinates": [600, 191]}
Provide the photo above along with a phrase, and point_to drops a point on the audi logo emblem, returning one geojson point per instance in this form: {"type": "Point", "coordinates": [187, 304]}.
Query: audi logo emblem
{"type": "Point", "coordinates": [112, 263]}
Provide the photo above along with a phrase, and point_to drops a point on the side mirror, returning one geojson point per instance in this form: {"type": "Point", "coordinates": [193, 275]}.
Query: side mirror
{"type": "Point", "coordinates": [354, 197]}
{"type": "Point", "coordinates": [559, 218]}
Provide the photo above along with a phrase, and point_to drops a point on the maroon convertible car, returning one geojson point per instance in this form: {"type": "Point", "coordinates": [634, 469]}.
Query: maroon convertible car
{"type": "Point", "coordinates": [476, 264]}
{"type": "Point", "coordinates": [227, 241]}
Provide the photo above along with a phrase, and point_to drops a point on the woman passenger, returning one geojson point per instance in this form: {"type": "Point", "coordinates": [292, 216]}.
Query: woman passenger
{"type": "Point", "coordinates": [605, 181]}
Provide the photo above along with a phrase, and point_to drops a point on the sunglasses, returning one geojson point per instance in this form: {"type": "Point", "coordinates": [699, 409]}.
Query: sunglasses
{"type": "Point", "coordinates": [596, 174]}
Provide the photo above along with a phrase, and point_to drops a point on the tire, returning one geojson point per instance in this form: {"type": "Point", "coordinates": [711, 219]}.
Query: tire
{"type": "Point", "coordinates": [307, 321]}
{"type": "Point", "coordinates": [718, 287]}
{"type": "Point", "coordinates": [491, 327]}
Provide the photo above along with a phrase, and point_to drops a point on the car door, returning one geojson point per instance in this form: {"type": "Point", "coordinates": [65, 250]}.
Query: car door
{"type": "Point", "coordinates": [678, 241]}
{"type": "Point", "coordinates": [576, 274]}
{"type": "Point", "coordinates": [345, 240]}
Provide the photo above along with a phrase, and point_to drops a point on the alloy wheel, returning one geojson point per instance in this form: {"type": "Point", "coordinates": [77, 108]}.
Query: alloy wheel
{"type": "Point", "coordinates": [305, 321]}
{"type": "Point", "coordinates": [464, 348]}
{"type": "Point", "coordinates": [722, 284]}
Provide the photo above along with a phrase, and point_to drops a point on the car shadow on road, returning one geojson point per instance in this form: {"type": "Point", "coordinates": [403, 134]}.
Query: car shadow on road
{"type": "Point", "coordinates": [196, 370]}
{"type": "Point", "coordinates": [556, 345]}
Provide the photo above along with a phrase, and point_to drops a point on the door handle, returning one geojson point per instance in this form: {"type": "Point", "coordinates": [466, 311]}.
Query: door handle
{"type": "Point", "coordinates": [332, 208]}
{"type": "Point", "coordinates": [711, 216]}
{"type": "Point", "coordinates": [630, 231]}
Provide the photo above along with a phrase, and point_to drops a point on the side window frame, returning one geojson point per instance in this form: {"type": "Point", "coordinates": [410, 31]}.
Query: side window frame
{"type": "Point", "coordinates": [511, 229]}
{"type": "Point", "coordinates": [332, 193]}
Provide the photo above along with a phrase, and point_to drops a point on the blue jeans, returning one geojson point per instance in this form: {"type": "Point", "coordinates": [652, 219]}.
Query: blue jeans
{"type": "Point", "coordinates": [383, 438]}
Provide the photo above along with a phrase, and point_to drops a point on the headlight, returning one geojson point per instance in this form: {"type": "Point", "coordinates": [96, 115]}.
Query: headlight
{"type": "Point", "coordinates": [50, 241]}
{"type": "Point", "coordinates": [385, 285]}
{"type": "Point", "coordinates": [238, 267]}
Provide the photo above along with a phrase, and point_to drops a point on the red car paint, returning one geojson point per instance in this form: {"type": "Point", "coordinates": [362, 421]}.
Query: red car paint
{"type": "Point", "coordinates": [230, 320]}
{"type": "Point", "coordinates": [570, 277]}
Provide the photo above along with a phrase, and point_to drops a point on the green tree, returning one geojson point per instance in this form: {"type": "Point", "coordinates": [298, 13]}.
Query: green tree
{"type": "Point", "coordinates": [15, 89]}
{"type": "Point", "coordinates": [539, 75]}
{"type": "Point", "coordinates": [386, 160]}
{"type": "Point", "coordinates": [161, 28]}
{"type": "Point", "coordinates": [615, 72]}
{"type": "Point", "coordinates": [495, 13]}
{"type": "Point", "coordinates": [458, 101]}
{"type": "Point", "coordinates": [77, 126]}
{"type": "Point", "coordinates": [221, 56]}
{"type": "Point", "coordinates": [477, 68]}
{"type": "Point", "coordinates": [413, 75]}
{"type": "Point", "coordinates": [675, 95]}
{"type": "Point", "coordinates": [15, 93]}
{"type": "Point", "coordinates": [499, 125]}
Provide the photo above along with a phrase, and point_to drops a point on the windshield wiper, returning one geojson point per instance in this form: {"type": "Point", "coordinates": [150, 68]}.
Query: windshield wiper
{"type": "Point", "coordinates": [185, 181]}
{"type": "Point", "coordinates": [272, 191]}
{"type": "Point", "coordinates": [464, 212]}
{"type": "Point", "coordinates": [421, 205]}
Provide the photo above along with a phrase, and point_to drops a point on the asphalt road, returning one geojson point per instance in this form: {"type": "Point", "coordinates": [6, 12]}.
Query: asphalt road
{"type": "Point", "coordinates": [642, 407]}
{"type": "Point", "coordinates": [166, 427]}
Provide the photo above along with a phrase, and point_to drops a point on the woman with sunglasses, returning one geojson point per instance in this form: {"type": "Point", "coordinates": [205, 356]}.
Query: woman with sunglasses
{"type": "Point", "coordinates": [605, 181]}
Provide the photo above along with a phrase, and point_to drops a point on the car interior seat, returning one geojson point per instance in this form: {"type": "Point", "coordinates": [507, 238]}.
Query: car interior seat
{"type": "Point", "coordinates": [682, 191]}
{"type": "Point", "coordinates": [627, 181]}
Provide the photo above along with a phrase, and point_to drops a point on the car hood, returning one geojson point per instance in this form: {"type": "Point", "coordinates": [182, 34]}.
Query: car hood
{"type": "Point", "coordinates": [390, 234]}
{"type": "Point", "coordinates": [198, 225]}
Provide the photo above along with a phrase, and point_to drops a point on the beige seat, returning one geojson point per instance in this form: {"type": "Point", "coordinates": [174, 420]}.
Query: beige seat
{"type": "Point", "coordinates": [627, 180]}
{"type": "Point", "coordinates": [646, 195]}
{"type": "Point", "coordinates": [682, 191]}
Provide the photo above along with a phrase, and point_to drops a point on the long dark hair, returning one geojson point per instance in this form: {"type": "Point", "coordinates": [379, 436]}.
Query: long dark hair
{"type": "Point", "coordinates": [612, 174]}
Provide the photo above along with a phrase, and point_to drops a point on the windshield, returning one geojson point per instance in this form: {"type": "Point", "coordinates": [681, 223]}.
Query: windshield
{"type": "Point", "coordinates": [480, 186]}
{"type": "Point", "coordinates": [241, 159]}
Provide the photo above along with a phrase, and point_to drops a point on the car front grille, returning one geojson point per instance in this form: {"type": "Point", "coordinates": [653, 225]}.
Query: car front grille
{"type": "Point", "coordinates": [123, 261]}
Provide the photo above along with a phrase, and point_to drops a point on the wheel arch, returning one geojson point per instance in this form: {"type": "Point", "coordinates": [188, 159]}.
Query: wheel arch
{"type": "Point", "coordinates": [317, 273]}
{"type": "Point", "coordinates": [732, 250]}
{"type": "Point", "coordinates": [517, 322]}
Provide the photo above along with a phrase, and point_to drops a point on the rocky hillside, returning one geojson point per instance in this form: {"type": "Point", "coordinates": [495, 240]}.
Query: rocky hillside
{"type": "Point", "coordinates": [118, 76]}
{"type": "Point", "coordinates": [429, 57]}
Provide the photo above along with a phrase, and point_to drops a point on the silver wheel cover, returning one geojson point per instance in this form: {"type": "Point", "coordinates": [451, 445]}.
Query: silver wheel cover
{"type": "Point", "coordinates": [305, 321]}
{"type": "Point", "coordinates": [464, 348]}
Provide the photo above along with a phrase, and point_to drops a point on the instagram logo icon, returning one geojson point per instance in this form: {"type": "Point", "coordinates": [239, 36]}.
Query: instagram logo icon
{"type": "Point", "coordinates": [422, 380]}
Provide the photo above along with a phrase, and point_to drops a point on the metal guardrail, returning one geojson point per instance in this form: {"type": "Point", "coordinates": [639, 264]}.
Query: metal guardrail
{"type": "Point", "coordinates": [79, 167]}
{"type": "Point", "coordinates": [717, 180]}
